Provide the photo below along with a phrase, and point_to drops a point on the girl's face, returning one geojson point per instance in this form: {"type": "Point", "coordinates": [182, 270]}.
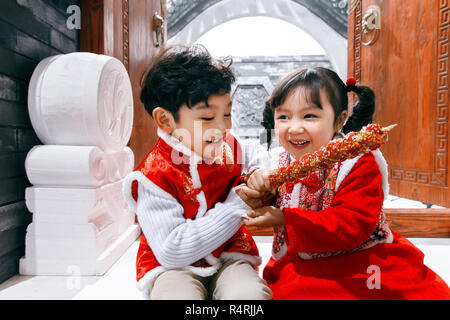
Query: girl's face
{"type": "Point", "coordinates": [302, 126]}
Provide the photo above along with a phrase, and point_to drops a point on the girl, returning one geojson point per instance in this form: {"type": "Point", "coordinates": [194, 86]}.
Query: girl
{"type": "Point", "coordinates": [331, 239]}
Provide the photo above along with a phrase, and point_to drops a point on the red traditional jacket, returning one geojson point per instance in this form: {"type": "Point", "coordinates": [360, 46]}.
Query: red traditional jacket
{"type": "Point", "coordinates": [197, 187]}
{"type": "Point", "coordinates": [336, 243]}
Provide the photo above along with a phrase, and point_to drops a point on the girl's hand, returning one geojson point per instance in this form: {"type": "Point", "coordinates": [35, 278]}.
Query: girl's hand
{"type": "Point", "coordinates": [251, 197]}
{"type": "Point", "coordinates": [259, 180]}
{"type": "Point", "coordinates": [265, 217]}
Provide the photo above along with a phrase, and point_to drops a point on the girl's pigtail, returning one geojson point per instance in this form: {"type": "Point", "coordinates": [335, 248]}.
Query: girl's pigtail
{"type": "Point", "coordinates": [268, 123]}
{"type": "Point", "coordinates": [363, 109]}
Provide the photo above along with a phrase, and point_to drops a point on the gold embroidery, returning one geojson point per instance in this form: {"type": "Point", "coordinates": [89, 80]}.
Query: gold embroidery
{"type": "Point", "coordinates": [241, 243]}
{"type": "Point", "coordinates": [189, 190]}
{"type": "Point", "coordinates": [148, 164]}
{"type": "Point", "coordinates": [227, 157]}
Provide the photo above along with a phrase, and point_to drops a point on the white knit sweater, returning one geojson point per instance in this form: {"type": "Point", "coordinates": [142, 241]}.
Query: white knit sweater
{"type": "Point", "coordinates": [178, 242]}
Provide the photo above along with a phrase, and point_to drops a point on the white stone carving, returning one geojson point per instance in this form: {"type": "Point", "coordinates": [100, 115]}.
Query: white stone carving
{"type": "Point", "coordinates": [84, 166]}
{"type": "Point", "coordinates": [248, 106]}
{"type": "Point", "coordinates": [249, 95]}
{"type": "Point", "coordinates": [81, 107]}
{"type": "Point", "coordinates": [81, 99]}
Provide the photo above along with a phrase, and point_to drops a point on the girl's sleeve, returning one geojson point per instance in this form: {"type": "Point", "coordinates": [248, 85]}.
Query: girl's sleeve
{"type": "Point", "coordinates": [348, 222]}
{"type": "Point", "coordinates": [178, 242]}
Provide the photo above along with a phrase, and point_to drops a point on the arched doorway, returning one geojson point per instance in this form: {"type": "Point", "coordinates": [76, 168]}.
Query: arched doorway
{"type": "Point", "coordinates": [263, 49]}
{"type": "Point", "coordinates": [219, 12]}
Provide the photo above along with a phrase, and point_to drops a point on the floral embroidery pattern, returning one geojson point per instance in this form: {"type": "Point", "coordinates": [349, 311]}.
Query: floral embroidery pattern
{"type": "Point", "coordinates": [188, 186]}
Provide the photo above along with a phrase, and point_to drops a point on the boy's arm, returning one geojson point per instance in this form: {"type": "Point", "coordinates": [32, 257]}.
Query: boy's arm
{"type": "Point", "coordinates": [178, 242]}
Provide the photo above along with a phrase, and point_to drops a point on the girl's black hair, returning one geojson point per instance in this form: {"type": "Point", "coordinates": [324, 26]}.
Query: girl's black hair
{"type": "Point", "coordinates": [314, 80]}
{"type": "Point", "coordinates": [184, 75]}
{"type": "Point", "coordinates": [362, 110]}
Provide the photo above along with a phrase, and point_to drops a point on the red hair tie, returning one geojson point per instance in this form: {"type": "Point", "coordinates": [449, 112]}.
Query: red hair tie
{"type": "Point", "coordinates": [351, 82]}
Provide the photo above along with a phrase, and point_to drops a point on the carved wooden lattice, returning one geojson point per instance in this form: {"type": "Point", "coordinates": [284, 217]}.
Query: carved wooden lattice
{"type": "Point", "coordinates": [125, 34]}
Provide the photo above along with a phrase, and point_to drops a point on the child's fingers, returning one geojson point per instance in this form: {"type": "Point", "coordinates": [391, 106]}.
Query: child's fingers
{"type": "Point", "coordinates": [262, 181]}
{"type": "Point", "coordinates": [267, 184]}
{"type": "Point", "coordinates": [252, 182]}
{"type": "Point", "coordinates": [250, 196]}
{"type": "Point", "coordinates": [256, 183]}
{"type": "Point", "coordinates": [251, 213]}
{"type": "Point", "coordinates": [245, 217]}
{"type": "Point", "coordinates": [254, 222]}
{"type": "Point", "coordinates": [254, 213]}
{"type": "Point", "coordinates": [258, 194]}
{"type": "Point", "coordinates": [248, 175]}
{"type": "Point", "coordinates": [253, 193]}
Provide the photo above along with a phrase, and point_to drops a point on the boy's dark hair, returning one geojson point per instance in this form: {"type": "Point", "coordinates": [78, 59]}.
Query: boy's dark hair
{"type": "Point", "coordinates": [315, 79]}
{"type": "Point", "coordinates": [184, 75]}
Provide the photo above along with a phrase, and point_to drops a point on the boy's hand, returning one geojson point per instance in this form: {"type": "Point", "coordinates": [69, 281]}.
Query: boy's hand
{"type": "Point", "coordinates": [259, 180]}
{"type": "Point", "coordinates": [264, 217]}
{"type": "Point", "coordinates": [251, 197]}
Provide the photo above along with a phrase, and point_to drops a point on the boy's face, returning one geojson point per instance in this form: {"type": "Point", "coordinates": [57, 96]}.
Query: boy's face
{"type": "Point", "coordinates": [202, 129]}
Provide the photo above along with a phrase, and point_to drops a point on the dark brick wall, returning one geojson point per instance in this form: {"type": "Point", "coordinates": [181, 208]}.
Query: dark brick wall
{"type": "Point", "coordinates": [30, 30]}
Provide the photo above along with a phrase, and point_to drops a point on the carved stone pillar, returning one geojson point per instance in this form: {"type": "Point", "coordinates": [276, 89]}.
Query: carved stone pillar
{"type": "Point", "coordinates": [81, 107]}
{"type": "Point", "coordinates": [249, 95]}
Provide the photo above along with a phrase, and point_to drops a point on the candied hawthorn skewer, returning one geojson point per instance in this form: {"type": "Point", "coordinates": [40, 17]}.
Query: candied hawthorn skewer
{"type": "Point", "coordinates": [370, 137]}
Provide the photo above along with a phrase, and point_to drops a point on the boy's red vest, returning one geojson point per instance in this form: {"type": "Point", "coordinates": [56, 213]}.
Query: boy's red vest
{"type": "Point", "coordinates": [171, 171]}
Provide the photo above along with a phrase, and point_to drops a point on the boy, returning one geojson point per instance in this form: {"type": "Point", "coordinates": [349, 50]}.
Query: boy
{"type": "Point", "coordinates": [194, 245]}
